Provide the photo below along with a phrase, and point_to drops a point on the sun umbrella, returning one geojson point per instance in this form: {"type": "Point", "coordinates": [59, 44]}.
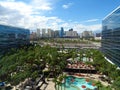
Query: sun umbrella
{"type": "Point", "coordinates": [83, 86]}
{"type": "Point", "coordinates": [87, 80]}
{"type": "Point", "coordinates": [93, 84]}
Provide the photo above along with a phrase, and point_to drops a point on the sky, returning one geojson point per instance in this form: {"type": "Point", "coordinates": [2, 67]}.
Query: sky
{"type": "Point", "coordinates": [77, 14]}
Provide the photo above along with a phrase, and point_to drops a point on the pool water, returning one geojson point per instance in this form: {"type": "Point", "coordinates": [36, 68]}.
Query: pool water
{"type": "Point", "coordinates": [74, 83]}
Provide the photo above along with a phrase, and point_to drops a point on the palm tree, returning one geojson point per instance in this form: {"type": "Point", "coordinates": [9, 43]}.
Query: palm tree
{"type": "Point", "coordinates": [80, 58]}
{"type": "Point", "coordinates": [116, 83]}
{"type": "Point", "coordinates": [55, 80]}
{"type": "Point", "coordinates": [64, 77]}
{"type": "Point", "coordinates": [99, 85]}
{"type": "Point", "coordinates": [32, 60]}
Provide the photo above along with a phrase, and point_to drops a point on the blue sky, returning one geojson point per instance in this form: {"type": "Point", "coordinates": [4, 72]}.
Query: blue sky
{"type": "Point", "coordinates": [77, 14]}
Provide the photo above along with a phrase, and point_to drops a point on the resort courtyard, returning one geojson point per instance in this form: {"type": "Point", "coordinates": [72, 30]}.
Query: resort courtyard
{"type": "Point", "coordinates": [49, 68]}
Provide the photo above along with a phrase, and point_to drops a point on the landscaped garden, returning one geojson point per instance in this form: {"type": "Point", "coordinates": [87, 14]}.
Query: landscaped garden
{"type": "Point", "coordinates": [33, 61]}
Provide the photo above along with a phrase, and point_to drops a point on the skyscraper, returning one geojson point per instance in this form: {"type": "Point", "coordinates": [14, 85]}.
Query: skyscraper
{"type": "Point", "coordinates": [87, 34]}
{"type": "Point", "coordinates": [50, 33]}
{"type": "Point", "coordinates": [38, 33]}
{"type": "Point", "coordinates": [71, 33]}
{"type": "Point", "coordinates": [43, 32]}
{"type": "Point", "coordinates": [61, 32]}
{"type": "Point", "coordinates": [56, 33]}
{"type": "Point", "coordinates": [111, 36]}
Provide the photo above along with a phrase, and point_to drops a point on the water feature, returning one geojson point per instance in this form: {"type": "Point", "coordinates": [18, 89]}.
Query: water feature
{"type": "Point", "coordinates": [75, 83]}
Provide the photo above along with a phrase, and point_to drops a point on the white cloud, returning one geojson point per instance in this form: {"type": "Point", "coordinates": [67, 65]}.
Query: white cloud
{"type": "Point", "coordinates": [20, 7]}
{"type": "Point", "coordinates": [22, 15]}
{"type": "Point", "coordinates": [66, 6]}
{"type": "Point", "coordinates": [15, 17]}
{"type": "Point", "coordinates": [80, 27]}
{"type": "Point", "coordinates": [91, 20]}
{"type": "Point", "coordinates": [42, 4]}
{"type": "Point", "coordinates": [8, 0]}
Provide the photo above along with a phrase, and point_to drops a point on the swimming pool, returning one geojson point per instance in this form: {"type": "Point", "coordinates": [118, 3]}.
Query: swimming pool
{"type": "Point", "coordinates": [75, 83]}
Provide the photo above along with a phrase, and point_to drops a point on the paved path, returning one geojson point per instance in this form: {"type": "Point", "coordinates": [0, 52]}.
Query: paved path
{"type": "Point", "coordinates": [96, 78]}
{"type": "Point", "coordinates": [49, 86]}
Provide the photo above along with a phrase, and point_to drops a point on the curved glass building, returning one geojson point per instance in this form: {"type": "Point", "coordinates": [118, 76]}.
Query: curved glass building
{"type": "Point", "coordinates": [111, 36]}
{"type": "Point", "coordinates": [13, 37]}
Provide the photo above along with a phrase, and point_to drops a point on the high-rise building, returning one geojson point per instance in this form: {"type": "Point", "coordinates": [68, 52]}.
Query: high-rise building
{"type": "Point", "coordinates": [13, 37]}
{"type": "Point", "coordinates": [33, 36]}
{"type": "Point", "coordinates": [56, 33]}
{"type": "Point", "coordinates": [87, 34]}
{"type": "Point", "coordinates": [43, 32]}
{"type": "Point", "coordinates": [38, 33]}
{"type": "Point", "coordinates": [61, 32]}
{"type": "Point", "coordinates": [71, 33]}
{"type": "Point", "coordinates": [97, 36]}
{"type": "Point", "coordinates": [111, 36]}
{"type": "Point", "coordinates": [50, 33]}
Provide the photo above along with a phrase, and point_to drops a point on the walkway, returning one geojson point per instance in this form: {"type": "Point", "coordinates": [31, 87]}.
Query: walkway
{"type": "Point", "coordinates": [49, 86]}
{"type": "Point", "coordinates": [96, 78]}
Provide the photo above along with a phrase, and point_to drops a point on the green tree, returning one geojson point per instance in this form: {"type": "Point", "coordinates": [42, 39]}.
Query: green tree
{"type": "Point", "coordinates": [116, 83]}
{"type": "Point", "coordinates": [99, 85]}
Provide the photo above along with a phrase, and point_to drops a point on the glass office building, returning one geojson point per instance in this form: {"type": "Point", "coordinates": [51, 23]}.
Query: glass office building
{"type": "Point", "coordinates": [61, 32]}
{"type": "Point", "coordinates": [13, 37]}
{"type": "Point", "coordinates": [111, 36]}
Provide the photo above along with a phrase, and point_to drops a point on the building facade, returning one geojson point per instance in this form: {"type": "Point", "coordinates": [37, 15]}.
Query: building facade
{"type": "Point", "coordinates": [13, 37]}
{"type": "Point", "coordinates": [111, 36]}
{"type": "Point", "coordinates": [56, 33]}
{"type": "Point", "coordinates": [61, 32]}
{"type": "Point", "coordinates": [33, 36]}
{"type": "Point", "coordinates": [71, 34]}
{"type": "Point", "coordinates": [87, 34]}
{"type": "Point", "coordinates": [43, 32]}
{"type": "Point", "coordinates": [38, 33]}
{"type": "Point", "coordinates": [50, 33]}
{"type": "Point", "coordinates": [97, 36]}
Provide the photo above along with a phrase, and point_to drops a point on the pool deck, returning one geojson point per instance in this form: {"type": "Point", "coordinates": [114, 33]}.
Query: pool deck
{"type": "Point", "coordinates": [94, 77]}
{"type": "Point", "coordinates": [50, 85]}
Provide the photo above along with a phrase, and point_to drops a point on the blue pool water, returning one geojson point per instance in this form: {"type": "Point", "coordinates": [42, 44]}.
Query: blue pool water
{"type": "Point", "coordinates": [74, 83]}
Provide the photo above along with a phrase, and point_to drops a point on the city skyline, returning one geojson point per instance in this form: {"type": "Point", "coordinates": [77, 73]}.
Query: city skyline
{"type": "Point", "coordinates": [80, 15]}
